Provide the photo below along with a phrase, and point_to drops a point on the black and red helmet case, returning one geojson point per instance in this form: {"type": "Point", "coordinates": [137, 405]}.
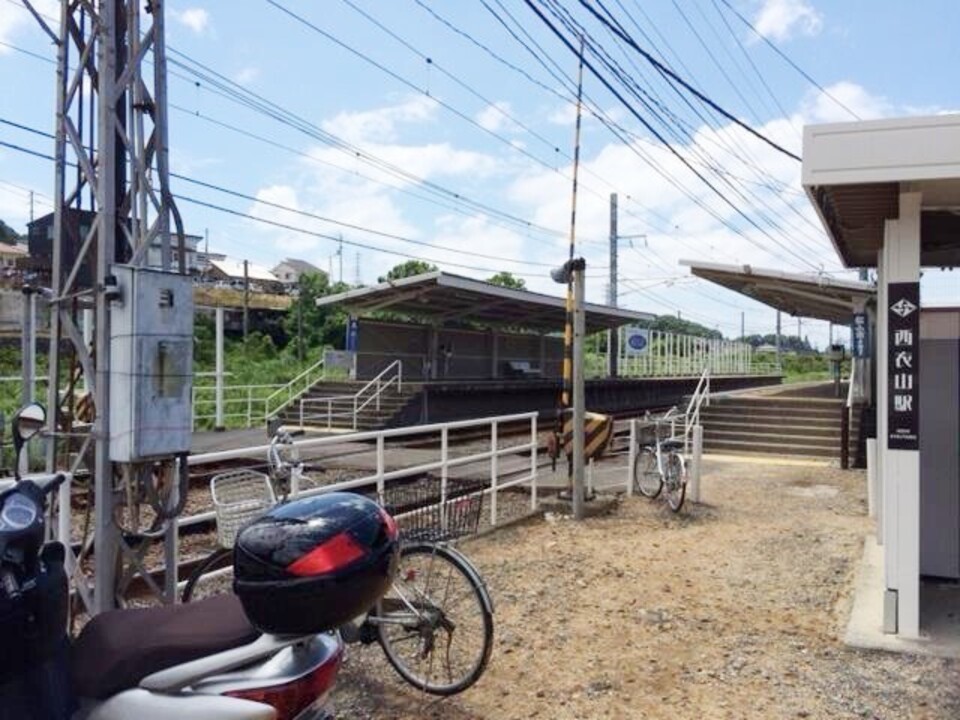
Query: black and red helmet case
{"type": "Point", "coordinates": [311, 565]}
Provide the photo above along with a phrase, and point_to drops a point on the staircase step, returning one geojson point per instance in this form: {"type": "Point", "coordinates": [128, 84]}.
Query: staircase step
{"type": "Point", "coordinates": [803, 430]}
{"type": "Point", "coordinates": [783, 439]}
{"type": "Point", "coordinates": [758, 411]}
{"type": "Point", "coordinates": [734, 446]}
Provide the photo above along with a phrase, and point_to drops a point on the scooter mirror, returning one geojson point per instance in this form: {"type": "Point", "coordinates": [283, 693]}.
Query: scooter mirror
{"type": "Point", "coordinates": [27, 422]}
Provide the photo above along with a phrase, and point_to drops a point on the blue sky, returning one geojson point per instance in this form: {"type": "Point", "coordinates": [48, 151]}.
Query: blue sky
{"type": "Point", "coordinates": [486, 150]}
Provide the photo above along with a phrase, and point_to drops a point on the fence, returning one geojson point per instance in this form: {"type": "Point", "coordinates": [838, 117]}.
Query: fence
{"type": "Point", "coordinates": [667, 354]}
{"type": "Point", "coordinates": [240, 405]}
{"type": "Point", "coordinates": [510, 466]}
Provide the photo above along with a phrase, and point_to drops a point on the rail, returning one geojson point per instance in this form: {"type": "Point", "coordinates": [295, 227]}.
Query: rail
{"type": "Point", "coordinates": [350, 406]}
{"type": "Point", "coordinates": [285, 395]}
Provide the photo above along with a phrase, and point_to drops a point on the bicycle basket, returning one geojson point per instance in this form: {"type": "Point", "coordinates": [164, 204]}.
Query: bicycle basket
{"type": "Point", "coordinates": [424, 516]}
{"type": "Point", "coordinates": [239, 496]}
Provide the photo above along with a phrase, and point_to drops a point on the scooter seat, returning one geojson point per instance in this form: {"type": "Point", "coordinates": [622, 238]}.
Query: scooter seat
{"type": "Point", "coordinates": [671, 445]}
{"type": "Point", "coordinates": [117, 649]}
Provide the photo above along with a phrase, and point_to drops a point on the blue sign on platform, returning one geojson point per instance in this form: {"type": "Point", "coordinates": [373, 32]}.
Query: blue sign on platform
{"type": "Point", "coordinates": [353, 334]}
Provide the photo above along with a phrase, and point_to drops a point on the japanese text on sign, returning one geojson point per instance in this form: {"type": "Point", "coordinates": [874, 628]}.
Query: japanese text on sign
{"type": "Point", "coordinates": [903, 344]}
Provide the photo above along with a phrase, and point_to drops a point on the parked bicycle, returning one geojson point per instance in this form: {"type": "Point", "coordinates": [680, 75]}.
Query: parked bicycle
{"type": "Point", "coordinates": [435, 624]}
{"type": "Point", "coordinates": [660, 464]}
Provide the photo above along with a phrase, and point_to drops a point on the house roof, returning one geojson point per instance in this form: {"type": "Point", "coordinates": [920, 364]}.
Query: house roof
{"type": "Point", "coordinates": [13, 250]}
{"type": "Point", "coordinates": [300, 266]}
{"type": "Point", "coordinates": [438, 296]}
{"type": "Point", "coordinates": [234, 269]}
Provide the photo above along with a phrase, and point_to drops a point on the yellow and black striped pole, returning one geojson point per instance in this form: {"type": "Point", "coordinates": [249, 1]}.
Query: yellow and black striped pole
{"type": "Point", "coordinates": [564, 410]}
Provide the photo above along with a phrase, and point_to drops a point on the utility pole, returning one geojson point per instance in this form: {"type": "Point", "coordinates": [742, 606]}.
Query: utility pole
{"type": "Point", "coordinates": [246, 298]}
{"type": "Point", "coordinates": [119, 92]}
{"type": "Point", "coordinates": [31, 206]}
{"type": "Point", "coordinates": [613, 345]}
{"type": "Point", "coordinates": [340, 255]}
{"type": "Point", "coordinates": [356, 272]}
{"type": "Point", "coordinates": [743, 330]}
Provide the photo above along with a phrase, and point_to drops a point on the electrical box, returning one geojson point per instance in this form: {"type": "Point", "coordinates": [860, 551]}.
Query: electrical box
{"type": "Point", "coordinates": [151, 364]}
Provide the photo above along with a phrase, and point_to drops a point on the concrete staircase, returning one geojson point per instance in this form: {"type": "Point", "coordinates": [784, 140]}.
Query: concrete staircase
{"type": "Point", "coordinates": [776, 425]}
{"type": "Point", "coordinates": [392, 403]}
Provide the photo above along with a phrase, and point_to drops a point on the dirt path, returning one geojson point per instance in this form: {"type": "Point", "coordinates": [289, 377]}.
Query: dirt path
{"type": "Point", "coordinates": [730, 610]}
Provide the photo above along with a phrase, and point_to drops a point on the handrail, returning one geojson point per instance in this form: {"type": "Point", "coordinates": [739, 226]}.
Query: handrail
{"type": "Point", "coordinates": [290, 388]}
{"type": "Point", "coordinates": [395, 368]}
{"type": "Point", "coordinates": [692, 415]}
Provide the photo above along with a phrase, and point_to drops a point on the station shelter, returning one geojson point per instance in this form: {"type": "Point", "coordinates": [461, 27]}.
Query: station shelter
{"type": "Point", "coordinates": [888, 195]}
{"type": "Point", "coordinates": [448, 327]}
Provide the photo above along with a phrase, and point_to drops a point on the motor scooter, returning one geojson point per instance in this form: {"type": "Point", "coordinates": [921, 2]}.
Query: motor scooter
{"type": "Point", "coordinates": [200, 660]}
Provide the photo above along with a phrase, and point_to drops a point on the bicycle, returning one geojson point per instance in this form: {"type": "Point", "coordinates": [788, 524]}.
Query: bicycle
{"type": "Point", "coordinates": [437, 598]}
{"type": "Point", "coordinates": [661, 464]}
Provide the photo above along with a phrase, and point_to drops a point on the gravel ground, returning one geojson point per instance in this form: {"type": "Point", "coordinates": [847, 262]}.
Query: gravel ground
{"type": "Point", "coordinates": [730, 610]}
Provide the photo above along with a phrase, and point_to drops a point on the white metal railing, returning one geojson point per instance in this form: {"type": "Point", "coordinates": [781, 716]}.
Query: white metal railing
{"type": "Point", "coordinates": [284, 396]}
{"type": "Point", "coordinates": [239, 402]}
{"type": "Point", "coordinates": [669, 354]}
{"type": "Point", "coordinates": [700, 397]}
{"type": "Point", "coordinates": [522, 472]}
{"type": "Point", "coordinates": [350, 406]}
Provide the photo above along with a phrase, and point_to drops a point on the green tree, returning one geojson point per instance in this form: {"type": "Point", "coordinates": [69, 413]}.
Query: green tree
{"type": "Point", "coordinates": [670, 323]}
{"type": "Point", "coordinates": [8, 235]}
{"type": "Point", "coordinates": [508, 280]}
{"type": "Point", "coordinates": [320, 325]}
{"type": "Point", "coordinates": [407, 269]}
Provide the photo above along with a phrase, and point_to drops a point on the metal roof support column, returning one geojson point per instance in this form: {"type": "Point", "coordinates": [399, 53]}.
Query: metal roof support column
{"type": "Point", "coordinates": [901, 467]}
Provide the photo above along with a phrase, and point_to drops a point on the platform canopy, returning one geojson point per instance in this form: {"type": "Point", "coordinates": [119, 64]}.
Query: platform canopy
{"type": "Point", "coordinates": [854, 173]}
{"type": "Point", "coordinates": [438, 297]}
{"type": "Point", "coordinates": [820, 297]}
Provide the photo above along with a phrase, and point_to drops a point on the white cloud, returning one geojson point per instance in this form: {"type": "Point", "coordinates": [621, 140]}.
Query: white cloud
{"type": "Point", "coordinates": [381, 125]}
{"type": "Point", "coordinates": [782, 19]}
{"type": "Point", "coordinates": [196, 19]}
{"type": "Point", "coordinates": [247, 75]}
{"type": "Point", "coordinates": [494, 117]}
{"type": "Point", "coordinates": [14, 18]}
{"type": "Point", "coordinates": [829, 106]}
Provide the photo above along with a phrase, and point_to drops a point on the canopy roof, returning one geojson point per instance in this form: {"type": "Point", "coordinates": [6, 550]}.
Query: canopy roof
{"type": "Point", "coordinates": [854, 173]}
{"type": "Point", "coordinates": [439, 296]}
{"type": "Point", "coordinates": [823, 297]}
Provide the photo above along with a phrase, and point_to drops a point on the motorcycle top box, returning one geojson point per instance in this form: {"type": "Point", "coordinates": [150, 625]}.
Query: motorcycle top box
{"type": "Point", "coordinates": [311, 565]}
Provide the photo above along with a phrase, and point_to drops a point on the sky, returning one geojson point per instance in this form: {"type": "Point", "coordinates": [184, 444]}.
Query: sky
{"type": "Point", "coordinates": [445, 131]}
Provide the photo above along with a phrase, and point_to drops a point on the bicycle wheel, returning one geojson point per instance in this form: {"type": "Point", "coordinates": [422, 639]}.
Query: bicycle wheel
{"type": "Point", "coordinates": [211, 577]}
{"type": "Point", "coordinates": [646, 475]}
{"type": "Point", "coordinates": [676, 481]}
{"type": "Point", "coordinates": [435, 624]}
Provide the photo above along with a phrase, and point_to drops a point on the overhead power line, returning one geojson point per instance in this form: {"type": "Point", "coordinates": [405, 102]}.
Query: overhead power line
{"type": "Point", "coordinates": [617, 29]}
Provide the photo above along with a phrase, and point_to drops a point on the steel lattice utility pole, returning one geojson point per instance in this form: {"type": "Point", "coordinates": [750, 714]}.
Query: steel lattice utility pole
{"type": "Point", "coordinates": [113, 208]}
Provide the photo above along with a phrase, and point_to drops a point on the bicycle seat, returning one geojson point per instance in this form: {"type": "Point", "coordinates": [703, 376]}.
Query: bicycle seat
{"type": "Point", "coordinates": [671, 445]}
{"type": "Point", "coordinates": [117, 649]}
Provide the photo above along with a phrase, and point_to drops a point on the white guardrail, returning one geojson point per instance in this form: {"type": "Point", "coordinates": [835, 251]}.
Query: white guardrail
{"type": "Point", "coordinates": [499, 477]}
{"type": "Point", "coordinates": [350, 406]}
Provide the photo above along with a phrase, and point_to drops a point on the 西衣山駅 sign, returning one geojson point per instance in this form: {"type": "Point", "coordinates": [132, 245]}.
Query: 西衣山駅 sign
{"type": "Point", "coordinates": [903, 366]}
